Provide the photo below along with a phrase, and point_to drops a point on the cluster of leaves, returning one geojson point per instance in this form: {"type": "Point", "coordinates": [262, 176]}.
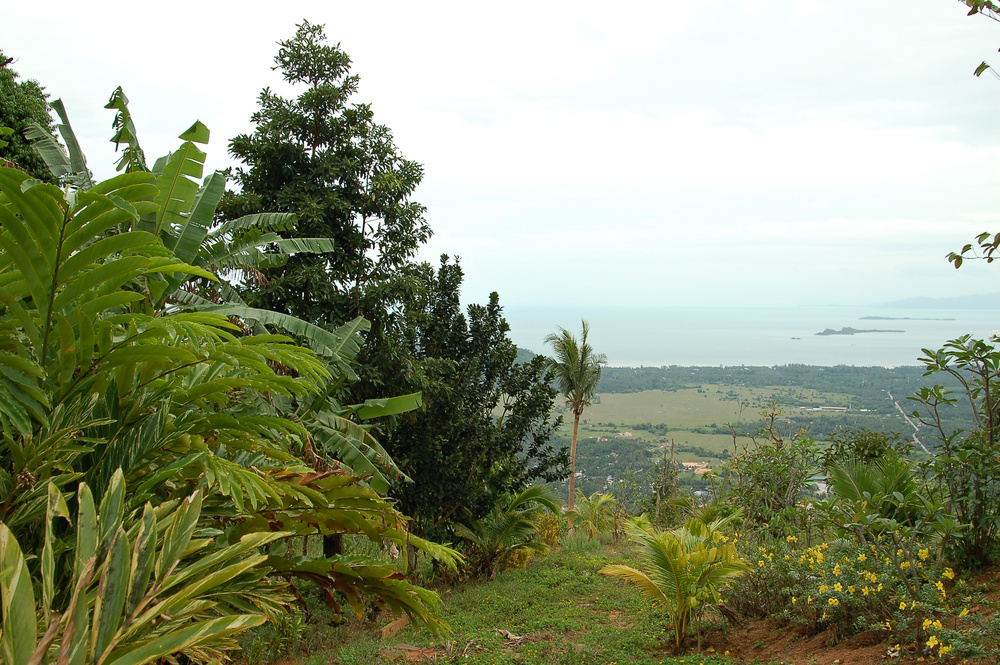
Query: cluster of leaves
{"type": "Point", "coordinates": [510, 532]}
{"type": "Point", "coordinates": [116, 362]}
{"type": "Point", "coordinates": [485, 431]}
{"type": "Point", "coordinates": [686, 569]}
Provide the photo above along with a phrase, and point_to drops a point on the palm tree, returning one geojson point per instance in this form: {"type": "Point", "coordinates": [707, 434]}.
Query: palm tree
{"type": "Point", "coordinates": [577, 370]}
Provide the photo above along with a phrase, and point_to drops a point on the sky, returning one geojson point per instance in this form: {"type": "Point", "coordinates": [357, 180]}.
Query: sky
{"type": "Point", "coordinates": [747, 153]}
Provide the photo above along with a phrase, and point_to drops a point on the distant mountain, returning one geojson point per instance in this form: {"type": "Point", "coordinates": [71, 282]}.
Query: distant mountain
{"type": "Point", "coordinates": [523, 356]}
{"type": "Point", "coordinates": [984, 301]}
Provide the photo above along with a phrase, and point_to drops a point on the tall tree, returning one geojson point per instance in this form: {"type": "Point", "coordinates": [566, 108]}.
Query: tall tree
{"type": "Point", "coordinates": [326, 160]}
{"type": "Point", "coordinates": [22, 104]}
{"type": "Point", "coordinates": [577, 371]}
{"type": "Point", "coordinates": [485, 428]}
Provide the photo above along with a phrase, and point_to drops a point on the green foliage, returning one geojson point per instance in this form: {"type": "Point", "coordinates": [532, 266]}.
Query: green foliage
{"type": "Point", "coordinates": [768, 474]}
{"type": "Point", "coordinates": [142, 587]}
{"type": "Point", "coordinates": [901, 594]}
{"type": "Point", "coordinates": [595, 513]}
{"type": "Point", "coordinates": [102, 376]}
{"type": "Point", "coordinates": [485, 427]}
{"type": "Point", "coordinates": [686, 568]}
{"type": "Point", "coordinates": [967, 463]}
{"type": "Point", "coordinates": [865, 446]}
{"type": "Point", "coordinates": [511, 527]}
{"type": "Point", "coordinates": [22, 105]}
{"type": "Point", "coordinates": [327, 161]}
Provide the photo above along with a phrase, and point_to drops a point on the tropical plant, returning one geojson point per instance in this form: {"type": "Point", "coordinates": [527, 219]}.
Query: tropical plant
{"type": "Point", "coordinates": [577, 371]}
{"type": "Point", "coordinates": [967, 464]}
{"type": "Point", "coordinates": [143, 585]}
{"type": "Point", "coordinates": [686, 569]}
{"type": "Point", "coordinates": [101, 374]}
{"type": "Point", "coordinates": [769, 473]}
{"type": "Point", "coordinates": [594, 513]}
{"type": "Point", "coordinates": [510, 527]}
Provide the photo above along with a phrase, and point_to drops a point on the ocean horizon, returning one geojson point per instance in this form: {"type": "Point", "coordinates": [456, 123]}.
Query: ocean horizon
{"type": "Point", "coordinates": [763, 336]}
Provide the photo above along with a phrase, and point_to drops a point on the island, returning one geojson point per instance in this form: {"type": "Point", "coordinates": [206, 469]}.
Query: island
{"type": "Point", "coordinates": [854, 331]}
{"type": "Point", "coordinates": [900, 318]}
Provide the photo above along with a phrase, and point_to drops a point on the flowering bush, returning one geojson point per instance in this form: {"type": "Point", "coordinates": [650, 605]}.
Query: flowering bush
{"type": "Point", "coordinates": [848, 588]}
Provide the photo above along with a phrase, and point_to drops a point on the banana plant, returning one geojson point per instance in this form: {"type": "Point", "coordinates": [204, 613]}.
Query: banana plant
{"type": "Point", "coordinates": [99, 372]}
{"type": "Point", "coordinates": [686, 568]}
{"type": "Point", "coordinates": [143, 587]}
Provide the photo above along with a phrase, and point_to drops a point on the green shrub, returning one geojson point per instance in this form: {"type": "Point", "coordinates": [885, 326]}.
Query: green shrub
{"type": "Point", "coordinates": [685, 568]}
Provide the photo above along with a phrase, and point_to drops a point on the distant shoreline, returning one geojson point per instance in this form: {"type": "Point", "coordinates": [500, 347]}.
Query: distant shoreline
{"type": "Point", "coordinates": [900, 318]}
{"type": "Point", "coordinates": [855, 331]}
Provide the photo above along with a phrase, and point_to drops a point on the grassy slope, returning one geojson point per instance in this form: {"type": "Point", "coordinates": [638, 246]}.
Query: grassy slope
{"type": "Point", "coordinates": [568, 613]}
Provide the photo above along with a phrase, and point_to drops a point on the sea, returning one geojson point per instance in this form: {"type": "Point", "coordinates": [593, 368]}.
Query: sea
{"type": "Point", "coordinates": [762, 336]}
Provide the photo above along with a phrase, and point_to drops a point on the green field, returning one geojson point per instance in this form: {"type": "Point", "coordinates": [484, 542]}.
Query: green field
{"type": "Point", "coordinates": [623, 432]}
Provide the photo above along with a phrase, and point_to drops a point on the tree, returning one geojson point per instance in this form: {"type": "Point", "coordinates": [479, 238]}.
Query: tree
{"type": "Point", "coordinates": [577, 371]}
{"type": "Point", "coordinates": [22, 105]}
{"type": "Point", "coordinates": [485, 428]}
{"type": "Point", "coordinates": [327, 161]}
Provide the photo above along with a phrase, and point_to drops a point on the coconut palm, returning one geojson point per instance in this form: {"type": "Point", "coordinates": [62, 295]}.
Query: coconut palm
{"type": "Point", "coordinates": [577, 370]}
{"type": "Point", "coordinates": [686, 568]}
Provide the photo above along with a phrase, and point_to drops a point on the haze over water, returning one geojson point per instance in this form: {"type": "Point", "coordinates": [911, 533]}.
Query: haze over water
{"type": "Point", "coordinates": [692, 336]}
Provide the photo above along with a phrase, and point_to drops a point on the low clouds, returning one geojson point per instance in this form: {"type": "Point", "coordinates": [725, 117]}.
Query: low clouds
{"type": "Point", "coordinates": [744, 150]}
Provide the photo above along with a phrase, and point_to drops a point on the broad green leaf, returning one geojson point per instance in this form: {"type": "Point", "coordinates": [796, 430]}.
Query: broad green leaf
{"type": "Point", "coordinates": [176, 538]}
{"type": "Point", "coordinates": [377, 408]}
{"type": "Point", "coordinates": [56, 508]}
{"type": "Point", "coordinates": [142, 560]}
{"type": "Point", "coordinates": [111, 591]}
{"type": "Point", "coordinates": [112, 510]}
{"type": "Point", "coordinates": [185, 638]}
{"type": "Point", "coordinates": [18, 602]}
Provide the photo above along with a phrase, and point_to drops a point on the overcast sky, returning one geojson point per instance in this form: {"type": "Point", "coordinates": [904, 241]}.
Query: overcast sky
{"type": "Point", "coordinates": [663, 153]}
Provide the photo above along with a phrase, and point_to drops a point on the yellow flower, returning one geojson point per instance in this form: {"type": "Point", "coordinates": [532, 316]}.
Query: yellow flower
{"type": "Point", "coordinates": [899, 552]}
{"type": "Point", "coordinates": [964, 612]}
{"type": "Point", "coordinates": [794, 600]}
{"type": "Point", "coordinates": [850, 589]}
{"type": "Point", "coordinates": [836, 570]}
{"type": "Point", "coordinates": [904, 565]}
{"type": "Point", "coordinates": [944, 650]}
{"type": "Point", "coordinates": [823, 587]}
{"type": "Point", "coordinates": [862, 557]}
{"type": "Point", "coordinates": [926, 624]}
{"type": "Point", "coordinates": [923, 554]}
{"type": "Point", "coordinates": [879, 587]}
{"type": "Point", "coordinates": [902, 604]}
{"type": "Point", "coordinates": [834, 602]}
{"type": "Point", "coordinates": [825, 615]}
{"type": "Point", "coordinates": [838, 587]}
{"type": "Point", "coordinates": [949, 573]}
{"type": "Point", "coordinates": [937, 624]}
{"type": "Point", "coordinates": [913, 605]}
{"type": "Point", "coordinates": [809, 600]}
{"type": "Point", "coordinates": [888, 625]}
{"type": "Point", "coordinates": [933, 642]}
{"type": "Point", "coordinates": [865, 591]}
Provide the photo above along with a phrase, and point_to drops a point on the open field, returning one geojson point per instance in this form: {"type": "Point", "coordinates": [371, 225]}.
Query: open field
{"type": "Point", "coordinates": [627, 432]}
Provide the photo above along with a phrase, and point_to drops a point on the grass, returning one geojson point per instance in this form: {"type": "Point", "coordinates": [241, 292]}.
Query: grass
{"type": "Point", "coordinates": [563, 609]}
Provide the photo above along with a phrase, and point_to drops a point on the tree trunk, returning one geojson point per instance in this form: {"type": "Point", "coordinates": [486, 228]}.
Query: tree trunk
{"type": "Point", "coordinates": [572, 466]}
